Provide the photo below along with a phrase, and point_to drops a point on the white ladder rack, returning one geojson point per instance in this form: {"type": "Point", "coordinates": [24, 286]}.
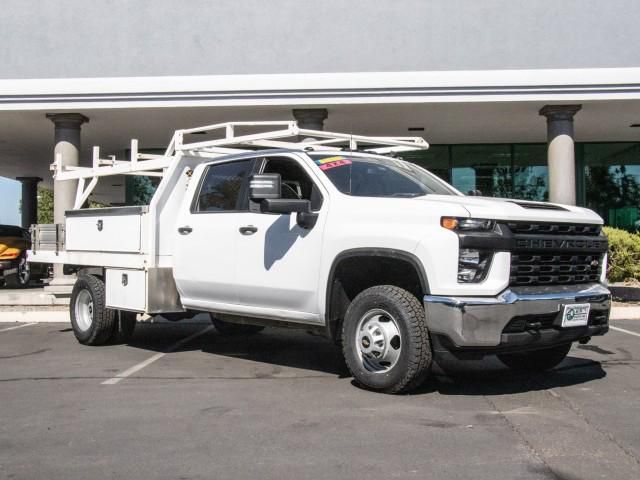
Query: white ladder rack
{"type": "Point", "coordinates": [285, 135]}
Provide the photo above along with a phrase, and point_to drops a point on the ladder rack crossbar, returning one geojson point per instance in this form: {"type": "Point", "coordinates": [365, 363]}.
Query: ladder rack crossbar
{"type": "Point", "coordinates": [286, 135]}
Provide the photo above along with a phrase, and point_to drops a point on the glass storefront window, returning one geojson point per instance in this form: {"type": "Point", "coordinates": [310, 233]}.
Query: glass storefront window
{"type": "Point", "coordinates": [482, 167]}
{"type": "Point", "coordinates": [612, 182]}
{"type": "Point", "coordinates": [435, 159]}
{"type": "Point", "coordinates": [610, 177]}
{"type": "Point", "coordinates": [530, 172]}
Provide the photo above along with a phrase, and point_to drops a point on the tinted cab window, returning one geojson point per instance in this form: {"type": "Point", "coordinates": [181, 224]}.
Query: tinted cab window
{"type": "Point", "coordinates": [223, 187]}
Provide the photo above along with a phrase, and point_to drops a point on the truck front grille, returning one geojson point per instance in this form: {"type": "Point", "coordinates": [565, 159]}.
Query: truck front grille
{"type": "Point", "coordinates": [527, 228]}
{"type": "Point", "coordinates": [548, 253]}
{"type": "Point", "coordinates": [551, 268]}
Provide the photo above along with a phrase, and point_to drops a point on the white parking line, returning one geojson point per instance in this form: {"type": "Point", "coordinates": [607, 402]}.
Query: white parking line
{"type": "Point", "coordinates": [18, 326]}
{"type": "Point", "coordinates": [624, 331]}
{"type": "Point", "coordinates": [130, 371]}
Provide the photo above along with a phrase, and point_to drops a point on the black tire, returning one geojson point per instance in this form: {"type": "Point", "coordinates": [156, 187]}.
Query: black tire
{"type": "Point", "coordinates": [92, 323]}
{"type": "Point", "coordinates": [413, 348]}
{"type": "Point", "coordinates": [123, 326]}
{"type": "Point", "coordinates": [22, 278]}
{"type": "Point", "coordinates": [234, 329]}
{"type": "Point", "coordinates": [536, 361]}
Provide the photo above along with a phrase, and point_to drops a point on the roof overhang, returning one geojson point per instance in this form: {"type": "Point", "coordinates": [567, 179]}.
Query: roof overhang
{"type": "Point", "coordinates": [560, 85]}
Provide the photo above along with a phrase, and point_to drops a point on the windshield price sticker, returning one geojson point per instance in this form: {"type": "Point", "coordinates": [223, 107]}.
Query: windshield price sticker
{"type": "Point", "coordinates": [576, 315]}
{"type": "Point", "coordinates": [332, 162]}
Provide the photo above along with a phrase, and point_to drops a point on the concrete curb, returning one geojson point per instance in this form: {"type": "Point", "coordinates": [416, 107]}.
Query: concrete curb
{"type": "Point", "coordinates": [625, 313]}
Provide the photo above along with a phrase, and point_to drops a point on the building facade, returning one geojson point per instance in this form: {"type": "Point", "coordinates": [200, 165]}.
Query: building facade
{"type": "Point", "coordinates": [525, 99]}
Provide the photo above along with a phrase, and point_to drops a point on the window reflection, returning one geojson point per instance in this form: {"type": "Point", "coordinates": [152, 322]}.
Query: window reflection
{"type": "Point", "coordinates": [436, 160]}
{"type": "Point", "coordinates": [612, 182]}
{"type": "Point", "coordinates": [482, 167]}
{"type": "Point", "coordinates": [530, 172]}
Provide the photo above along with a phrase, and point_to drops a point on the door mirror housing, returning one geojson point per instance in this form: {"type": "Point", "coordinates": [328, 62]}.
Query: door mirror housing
{"type": "Point", "coordinates": [305, 218]}
{"type": "Point", "coordinates": [283, 205]}
{"type": "Point", "coordinates": [264, 186]}
{"type": "Point", "coordinates": [265, 189]}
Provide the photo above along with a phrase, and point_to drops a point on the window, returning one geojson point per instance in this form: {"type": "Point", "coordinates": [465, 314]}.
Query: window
{"type": "Point", "coordinates": [222, 187]}
{"type": "Point", "coordinates": [379, 177]}
{"type": "Point", "coordinates": [436, 160]}
{"type": "Point", "coordinates": [530, 172]}
{"type": "Point", "coordinates": [295, 182]}
{"type": "Point", "coordinates": [612, 182]}
{"type": "Point", "coordinates": [482, 167]}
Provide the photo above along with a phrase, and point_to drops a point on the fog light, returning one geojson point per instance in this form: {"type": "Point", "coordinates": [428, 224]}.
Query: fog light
{"type": "Point", "coordinates": [469, 256]}
{"type": "Point", "coordinates": [472, 265]}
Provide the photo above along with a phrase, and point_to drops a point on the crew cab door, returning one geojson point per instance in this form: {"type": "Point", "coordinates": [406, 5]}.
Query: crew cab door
{"type": "Point", "coordinates": [206, 236]}
{"type": "Point", "coordinates": [278, 262]}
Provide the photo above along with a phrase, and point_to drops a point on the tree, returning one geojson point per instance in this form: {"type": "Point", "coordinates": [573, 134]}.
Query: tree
{"type": "Point", "coordinates": [45, 205]}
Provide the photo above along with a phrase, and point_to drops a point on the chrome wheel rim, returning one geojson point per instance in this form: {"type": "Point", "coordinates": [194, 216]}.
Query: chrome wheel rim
{"type": "Point", "coordinates": [84, 310]}
{"type": "Point", "coordinates": [378, 341]}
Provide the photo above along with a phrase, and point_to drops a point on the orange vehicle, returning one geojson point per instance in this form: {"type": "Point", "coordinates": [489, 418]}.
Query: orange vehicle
{"type": "Point", "coordinates": [15, 272]}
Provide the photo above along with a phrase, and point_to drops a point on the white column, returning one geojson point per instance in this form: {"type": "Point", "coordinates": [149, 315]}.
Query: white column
{"type": "Point", "coordinates": [561, 152]}
{"type": "Point", "coordinates": [67, 145]}
{"type": "Point", "coordinates": [310, 118]}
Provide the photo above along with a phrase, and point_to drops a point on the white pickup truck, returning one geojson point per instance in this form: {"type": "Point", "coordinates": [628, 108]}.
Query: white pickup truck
{"type": "Point", "coordinates": [389, 261]}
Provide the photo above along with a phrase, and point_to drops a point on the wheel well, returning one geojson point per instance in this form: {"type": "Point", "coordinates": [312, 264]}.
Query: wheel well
{"type": "Point", "coordinates": [353, 273]}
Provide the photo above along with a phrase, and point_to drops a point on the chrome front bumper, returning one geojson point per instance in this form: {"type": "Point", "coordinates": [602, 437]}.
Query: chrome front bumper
{"type": "Point", "coordinates": [480, 321]}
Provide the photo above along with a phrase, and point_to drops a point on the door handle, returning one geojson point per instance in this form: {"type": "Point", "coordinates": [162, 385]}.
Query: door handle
{"type": "Point", "coordinates": [185, 230]}
{"type": "Point", "coordinates": [248, 230]}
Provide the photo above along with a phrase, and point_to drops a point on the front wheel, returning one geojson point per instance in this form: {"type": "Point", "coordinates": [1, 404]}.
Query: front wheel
{"type": "Point", "coordinates": [536, 361]}
{"type": "Point", "coordinates": [385, 341]}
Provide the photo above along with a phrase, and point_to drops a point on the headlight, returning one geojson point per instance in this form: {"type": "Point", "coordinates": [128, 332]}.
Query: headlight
{"type": "Point", "coordinates": [473, 264]}
{"type": "Point", "coordinates": [467, 224]}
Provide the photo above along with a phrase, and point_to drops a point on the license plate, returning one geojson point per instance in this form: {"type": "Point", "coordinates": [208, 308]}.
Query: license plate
{"type": "Point", "coordinates": [576, 315]}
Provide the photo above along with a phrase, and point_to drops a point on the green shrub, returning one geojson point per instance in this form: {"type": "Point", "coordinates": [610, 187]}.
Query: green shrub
{"type": "Point", "coordinates": [624, 255]}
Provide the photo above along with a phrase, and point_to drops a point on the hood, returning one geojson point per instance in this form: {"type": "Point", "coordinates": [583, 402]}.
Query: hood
{"type": "Point", "coordinates": [514, 210]}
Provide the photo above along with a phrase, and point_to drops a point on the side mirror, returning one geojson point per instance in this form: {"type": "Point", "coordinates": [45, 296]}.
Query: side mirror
{"type": "Point", "coordinates": [305, 218]}
{"type": "Point", "coordinates": [284, 205]}
{"type": "Point", "coordinates": [264, 186]}
{"type": "Point", "coordinates": [265, 189]}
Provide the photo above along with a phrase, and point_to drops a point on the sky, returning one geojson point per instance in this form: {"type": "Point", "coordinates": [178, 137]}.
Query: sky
{"type": "Point", "coordinates": [10, 191]}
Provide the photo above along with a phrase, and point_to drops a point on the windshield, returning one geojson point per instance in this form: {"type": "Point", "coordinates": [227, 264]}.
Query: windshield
{"type": "Point", "coordinates": [379, 177]}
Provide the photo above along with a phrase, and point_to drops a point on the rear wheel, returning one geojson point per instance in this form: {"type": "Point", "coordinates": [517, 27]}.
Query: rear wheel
{"type": "Point", "coordinates": [234, 329]}
{"type": "Point", "coordinates": [22, 277]}
{"type": "Point", "coordinates": [385, 341]}
{"type": "Point", "coordinates": [92, 323]}
{"type": "Point", "coordinates": [536, 361]}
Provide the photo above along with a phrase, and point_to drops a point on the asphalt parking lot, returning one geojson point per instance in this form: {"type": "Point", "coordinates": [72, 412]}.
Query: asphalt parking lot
{"type": "Point", "coordinates": [182, 402]}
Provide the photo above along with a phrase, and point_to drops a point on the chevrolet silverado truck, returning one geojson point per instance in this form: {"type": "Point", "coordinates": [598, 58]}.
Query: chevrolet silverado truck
{"type": "Point", "coordinates": [334, 234]}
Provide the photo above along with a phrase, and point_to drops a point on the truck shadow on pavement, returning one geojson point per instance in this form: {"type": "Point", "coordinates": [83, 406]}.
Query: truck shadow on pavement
{"type": "Point", "coordinates": [295, 353]}
{"type": "Point", "coordinates": [489, 377]}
